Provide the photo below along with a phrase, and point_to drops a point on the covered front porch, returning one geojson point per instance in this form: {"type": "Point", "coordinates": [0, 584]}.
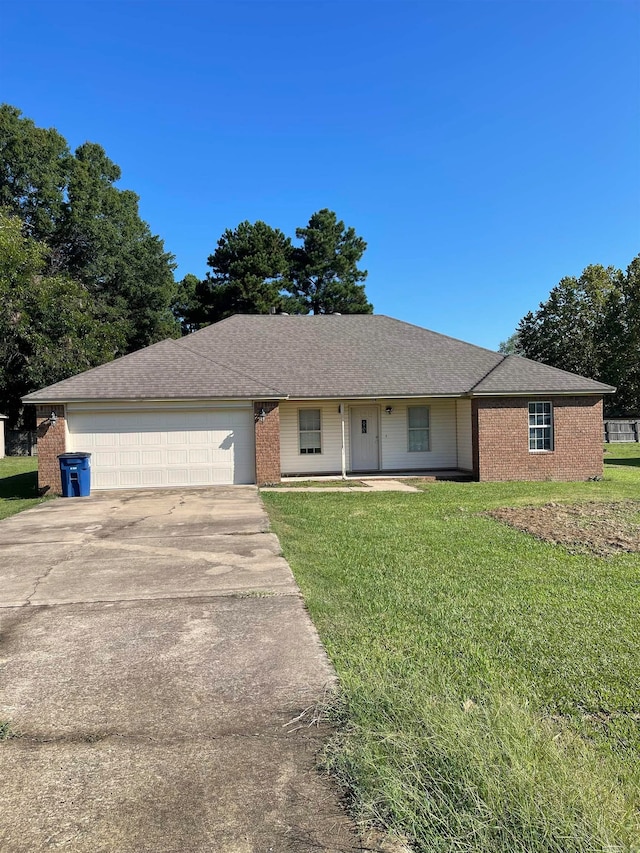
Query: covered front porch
{"type": "Point", "coordinates": [386, 437]}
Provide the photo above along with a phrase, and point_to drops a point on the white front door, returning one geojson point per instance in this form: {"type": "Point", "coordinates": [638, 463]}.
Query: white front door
{"type": "Point", "coordinates": [365, 453]}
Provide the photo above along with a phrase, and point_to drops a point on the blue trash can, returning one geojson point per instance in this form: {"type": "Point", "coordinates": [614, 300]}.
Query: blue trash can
{"type": "Point", "coordinates": [75, 473]}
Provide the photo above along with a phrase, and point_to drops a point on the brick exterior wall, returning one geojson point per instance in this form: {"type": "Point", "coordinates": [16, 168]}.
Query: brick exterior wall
{"type": "Point", "coordinates": [500, 434]}
{"type": "Point", "coordinates": [52, 440]}
{"type": "Point", "coordinates": [267, 443]}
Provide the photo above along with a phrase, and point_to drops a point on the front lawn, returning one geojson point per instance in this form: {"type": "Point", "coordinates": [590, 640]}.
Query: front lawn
{"type": "Point", "coordinates": [18, 484]}
{"type": "Point", "coordinates": [489, 679]}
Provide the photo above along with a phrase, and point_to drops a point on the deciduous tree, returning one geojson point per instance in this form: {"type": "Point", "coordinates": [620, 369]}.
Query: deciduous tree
{"type": "Point", "coordinates": [92, 228]}
{"type": "Point", "coordinates": [591, 325]}
{"type": "Point", "coordinates": [51, 326]}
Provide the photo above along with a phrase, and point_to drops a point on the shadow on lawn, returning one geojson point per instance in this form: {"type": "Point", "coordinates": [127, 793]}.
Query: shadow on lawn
{"type": "Point", "coordinates": [633, 462]}
{"type": "Point", "coordinates": [19, 487]}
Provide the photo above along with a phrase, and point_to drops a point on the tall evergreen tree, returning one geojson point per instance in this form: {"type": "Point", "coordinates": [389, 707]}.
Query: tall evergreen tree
{"type": "Point", "coordinates": [249, 269]}
{"type": "Point", "coordinates": [256, 269]}
{"type": "Point", "coordinates": [324, 270]}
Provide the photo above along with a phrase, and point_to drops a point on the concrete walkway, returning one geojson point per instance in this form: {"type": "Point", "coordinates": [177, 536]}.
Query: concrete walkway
{"type": "Point", "coordinates": [374, 485]}
{"type": "Point", "coordinates": [161, 671]}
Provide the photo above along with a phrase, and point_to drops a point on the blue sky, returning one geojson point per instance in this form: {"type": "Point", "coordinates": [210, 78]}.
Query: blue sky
{"type": "Point", "coordinates": [483, 149]}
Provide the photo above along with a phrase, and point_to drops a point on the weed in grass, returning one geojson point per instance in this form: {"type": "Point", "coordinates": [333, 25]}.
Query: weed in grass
{"type": "Point", "coordinates": [255, 593]}
{"type": "Point", "coordinates": [6, 731]}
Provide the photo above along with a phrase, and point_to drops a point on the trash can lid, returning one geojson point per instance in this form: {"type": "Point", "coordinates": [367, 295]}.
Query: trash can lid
{"type": "Point", "coordinates": [81, 455]}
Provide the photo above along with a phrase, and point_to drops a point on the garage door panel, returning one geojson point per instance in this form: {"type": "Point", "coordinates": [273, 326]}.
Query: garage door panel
{"type": "Point", "coordinates": [148, 438]}
{"type": "Point", "coordinates": [151, 477]}
{"type": "Point", "coordinates": [131, 450]}
{"type": "Point", "coordinates": [130, 458]}
{"type": "Point", "coordinates": [177, 457]}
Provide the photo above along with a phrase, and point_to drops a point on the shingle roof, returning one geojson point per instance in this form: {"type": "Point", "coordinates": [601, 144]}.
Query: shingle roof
{"type": "Point", "coordinates": [521, 375]}
{"type": "Point", "coordinates": [357, 355]}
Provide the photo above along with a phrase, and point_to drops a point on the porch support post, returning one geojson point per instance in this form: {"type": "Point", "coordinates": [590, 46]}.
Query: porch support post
{"type": "Point", "coordinates": [343, 450]}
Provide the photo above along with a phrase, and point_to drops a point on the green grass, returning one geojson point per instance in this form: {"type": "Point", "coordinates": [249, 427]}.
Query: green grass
{"type": "Point", "coordinates": [489, 681]}
{"type": "Point", "coordinates": [18, 484]}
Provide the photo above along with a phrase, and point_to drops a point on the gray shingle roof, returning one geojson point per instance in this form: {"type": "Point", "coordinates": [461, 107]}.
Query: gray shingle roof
{"type": "Point", "coordinates": [358, 355]}
{"type": "Point", "coordinates": [524, 375]}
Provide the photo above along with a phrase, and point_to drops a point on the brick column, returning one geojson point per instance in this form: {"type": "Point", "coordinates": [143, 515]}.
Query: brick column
{"type": "Point", "coordinates": [52, 440]}
{"type": "Point", "coordinates": [267, 442]}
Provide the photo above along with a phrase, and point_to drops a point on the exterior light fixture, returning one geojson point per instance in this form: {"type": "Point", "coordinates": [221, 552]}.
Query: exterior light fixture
{"type": "Point", "coordinates": [53, 418]}
{"type": "Point", "coordinates": [389, 409]}
{"type": "Point", "coordinates": [261, 415]}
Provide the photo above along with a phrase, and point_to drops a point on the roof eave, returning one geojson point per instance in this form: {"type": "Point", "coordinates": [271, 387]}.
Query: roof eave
{"type": "Point", "coordinates": [41, 401]}
{"type": "Point", "coordinates": [566, 393]}
{"type": "Point", "coordinates": [419, 396]}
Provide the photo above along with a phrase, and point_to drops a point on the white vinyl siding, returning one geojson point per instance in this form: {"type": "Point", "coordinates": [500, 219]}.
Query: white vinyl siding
{"type": "Point", "coordinates": [540, 426]}
{"type": "Point", "coordinates": [164, 447]}
{"type": "Point", "coordinates": [394, 455]}
{"type": "Point", "coordinates": [442, 451]}
{"type": "Point", "coordinates": [294, 462]}
{"type": "Point", "coordinates": [463, 431]}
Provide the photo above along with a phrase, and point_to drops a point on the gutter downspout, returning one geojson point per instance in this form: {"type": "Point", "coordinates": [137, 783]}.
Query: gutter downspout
{"type": "Point", "coordinates": [343, 451]}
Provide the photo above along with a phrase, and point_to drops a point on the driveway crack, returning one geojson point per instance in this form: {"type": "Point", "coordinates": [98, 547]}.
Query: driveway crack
{"type": "Point", "coordinates": [37, 583]}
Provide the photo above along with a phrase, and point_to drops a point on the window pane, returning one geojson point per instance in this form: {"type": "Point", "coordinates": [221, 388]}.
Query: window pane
{"type": "Point", "coordinates": [309, 441]}
{"type": "Point", "coordinates": [309, 419]}
{"type": "Point", "coordinates": [418, 417]}
{"type": "Point", "coordinates": [309, 432]}
{"type": "Point", "coordinates": [418, 439]}
{"type": "Point", "coordinates": [418, 428]}
{"type": "Point", "coordinates": [540, 426]}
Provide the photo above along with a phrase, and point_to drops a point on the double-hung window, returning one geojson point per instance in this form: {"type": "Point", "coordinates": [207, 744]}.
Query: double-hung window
{"type": "Point", "coordinates": [540, 426]}
{"type": "Point", "coordinates": [418, 428]}
{"type": "Point", "coordinates": [309, 428]}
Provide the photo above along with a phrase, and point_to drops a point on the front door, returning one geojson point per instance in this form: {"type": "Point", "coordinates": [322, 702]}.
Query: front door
{"type": "Point", "coordinates": [365, 454]}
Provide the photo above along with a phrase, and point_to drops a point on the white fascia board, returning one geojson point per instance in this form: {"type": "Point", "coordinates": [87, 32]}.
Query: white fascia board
{"type": "Point", "coordinates": [154, 405]}
{"type": "Point", "coordinates": [375, 399]}
{"type": "Point", "coordinates": [595, 393]}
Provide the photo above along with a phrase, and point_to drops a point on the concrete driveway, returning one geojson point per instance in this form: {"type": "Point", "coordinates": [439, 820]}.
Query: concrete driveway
{"type": "Point", "coordinates": [154, 655]}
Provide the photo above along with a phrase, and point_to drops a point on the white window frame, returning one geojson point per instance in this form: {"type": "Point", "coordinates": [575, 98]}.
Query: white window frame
{"type": "Point", "coordinates": [540, 426]}
{"type": "Point", "coordinates": [413, 430]}
{"type": "Point", "coordinates": [309, 451]}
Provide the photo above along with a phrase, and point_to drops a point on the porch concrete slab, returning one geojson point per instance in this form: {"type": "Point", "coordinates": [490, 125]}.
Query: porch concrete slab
{"type": "Point", "coordinates": [378, 485]}
{"type": "Point", "coordinates": [388, 486]}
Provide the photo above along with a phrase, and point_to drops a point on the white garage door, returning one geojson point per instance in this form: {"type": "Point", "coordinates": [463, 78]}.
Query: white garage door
{"type": "Point", "coordinates": [165, 448]}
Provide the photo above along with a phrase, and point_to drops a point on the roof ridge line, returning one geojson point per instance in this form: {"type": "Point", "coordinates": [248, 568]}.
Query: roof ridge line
{"type": "Point", "coordinates": [180, 342]}
{"type": "Point", "coordinates": [489, 372]}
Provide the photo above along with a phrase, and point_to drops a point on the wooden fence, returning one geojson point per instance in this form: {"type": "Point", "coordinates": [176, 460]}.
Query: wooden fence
{"type": "Point", "coordinates": [21, 442]}
{"type": "Point", "coordinates": [621, 430]}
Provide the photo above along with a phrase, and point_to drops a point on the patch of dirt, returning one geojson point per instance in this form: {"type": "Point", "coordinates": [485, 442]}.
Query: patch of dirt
{"type": "Point", "coordinates": [596, 528]}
